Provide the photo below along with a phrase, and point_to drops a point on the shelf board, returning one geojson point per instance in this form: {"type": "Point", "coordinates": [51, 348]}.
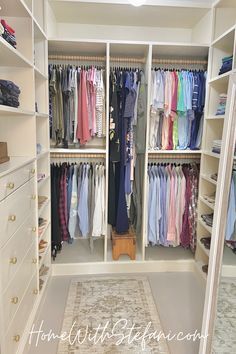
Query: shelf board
{"type": "Point", "coordinates": [14, 8]}
{"type": "Point", "coordinates": [211, 206]}
{"type": "Point", "coordinates": [174, 152]}
{"type": "Point", "coordinates": [40, 74]}
{"type": "Point", "coordinates": [42, 154]}
{"type": "Point", "coordinates": [215, 117]}
{"type": "Point", "coordinates": [43, 206]}
{"type": "Point", "coordinates": [208, 228]}
{"type": "Point", "coordinates": [209, 179]}
{"type": "Point", "coordinates": [78, 151]}
{"type": "Point", "coordinates": [199, 265]}
{"type": "Point", "coordinates": [11, 56]}
{"type": "Point", "coordinates": [41, 115]}
{"type": "Point", "coordinates": [40, 183]}
{"type": "Point", "coordinates": [43, 255]}
{"type": "Point", "coordinates": [12, 111]}
{"type": "Point", "coordinates": [44, 231]}
{"type": "Point", "coordinates": [46, 280]}
{"type": "Point", "coordinates": [212, 154]}
{"type": "Point", "coordinates": [14, 163]}
{"type": "Point", "coordinates": [224, 36]}
{"type": "Point", "coordinates": [38, 31]}
{"type": "Point", "coordinates": [204, 249]}
{"type": "Point", "coordinates": [221, 78]}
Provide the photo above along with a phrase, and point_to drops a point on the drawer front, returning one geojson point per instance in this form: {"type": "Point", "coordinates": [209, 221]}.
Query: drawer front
{"type": "Point", "coordinates": [13, 295]}
{"type": "Point", "coordinates": [15, 209]}
{"type": "Point", "coordinates": [12, 181]}
{"type": "Point", "coordinates": [13, 252]}
{"type": "Point", "coordinates": [15, 333]}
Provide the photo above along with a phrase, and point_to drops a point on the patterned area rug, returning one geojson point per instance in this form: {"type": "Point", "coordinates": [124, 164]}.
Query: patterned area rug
{"type": "Point", "coordinates": [225, 330]}
{"type": "Point", "coordinates": [111, 315]}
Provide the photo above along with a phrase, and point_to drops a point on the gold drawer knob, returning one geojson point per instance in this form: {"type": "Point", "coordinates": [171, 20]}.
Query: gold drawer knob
{"type": "Point", "coordinates": [34, 260]}
{"type": "Point", "coordinates": [11, 185]}
{"type": "Point", "coordinates": [14, 300]}
{"type": "Point", "coordinates": [35, 292]}
{"type": "Point", "coordinates": [33, 196]}
{"type": "Point", "coordinates": [34, 229]}
{"type": "Point", "coordinates": [16, 338]}
{"type": "Point", "coordinates": [32, 171]}
{"type": "Point", "coordinates": [13, 260]}
{"type": "Point", "coordinates": [12, 218]}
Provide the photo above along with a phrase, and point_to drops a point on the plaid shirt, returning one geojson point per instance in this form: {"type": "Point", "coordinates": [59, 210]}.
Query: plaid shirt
{"type": "Point", "coordinates": [62, 209]}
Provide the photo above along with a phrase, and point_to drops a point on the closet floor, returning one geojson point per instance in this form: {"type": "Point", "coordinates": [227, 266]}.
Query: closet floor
{"type": "Point", "coordinates": [179, 298]}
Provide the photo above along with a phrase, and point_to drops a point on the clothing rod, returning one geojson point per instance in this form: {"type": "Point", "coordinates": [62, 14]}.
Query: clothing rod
{"type": "Point", "coordinates": [73, 155]}
{"type": "Point", "coordinates": [173, 156]}
{"type": "Point", "coordinates": [127, 59]}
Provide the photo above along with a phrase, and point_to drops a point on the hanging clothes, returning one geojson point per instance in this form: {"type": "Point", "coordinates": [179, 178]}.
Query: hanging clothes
{"type": "Point", "coordinates": [176, 112]}
{"type": "Point", "coordinates": [230, 234]}
{"type": "Point", "coordinates": [172, 205]}
{"type": "Point", "coordinates": [78, 202]}
{"type": "Point", "coordinates": [127, 124]}
{"type": "Point", "coordinates": [77, 104]}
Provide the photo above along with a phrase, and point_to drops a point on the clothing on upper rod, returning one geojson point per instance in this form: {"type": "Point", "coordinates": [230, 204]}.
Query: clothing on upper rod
{"type": "Point", "coordinates": [127, 137]}
{"type": "Point", "coordinates": [78, 201]}
{"type": "Point", "coordinates": [76, 104]}
{"type": "Point", "coordinates": [172, 204]}
{"type": "Point", "coordinates": [177, 106]}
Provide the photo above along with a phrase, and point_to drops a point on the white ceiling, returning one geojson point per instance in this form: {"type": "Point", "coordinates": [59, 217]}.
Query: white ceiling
{"type": "Point", "coordinates": [100, 13]}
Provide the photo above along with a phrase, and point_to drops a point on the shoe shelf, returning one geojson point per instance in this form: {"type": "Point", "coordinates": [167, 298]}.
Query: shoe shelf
{"type": "Point", "coordinates": [204, 249]}
{"type": "Point", "coordinates": [208, 228]}
{"type": "Point", "coordinates": [210, 205]}
{"type": "Point", "coordinates": [41, 237]}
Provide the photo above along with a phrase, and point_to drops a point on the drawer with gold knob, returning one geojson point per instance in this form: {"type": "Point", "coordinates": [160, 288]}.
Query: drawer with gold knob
{"type": "Point", "coordinates": [14, 250]}
{"type": "Point", "coordinates": [14, 293]}
{"type": "Point", "coordinates": [15, 179]}
{"type": "Point", "coordinates": [15, 209]}
{"type": "Point", "coordinates": [15, 329]}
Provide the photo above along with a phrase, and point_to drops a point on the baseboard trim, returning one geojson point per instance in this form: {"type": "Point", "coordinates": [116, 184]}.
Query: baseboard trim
{"type": "Point", "coordinates": [123, 267]}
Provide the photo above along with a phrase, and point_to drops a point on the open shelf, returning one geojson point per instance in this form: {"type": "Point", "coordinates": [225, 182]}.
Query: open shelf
{"type": "Point", "coordinates": [203, 200]}
{"type": "Point", "coordinates": [11, 111]}
{"type": "Point", "coordinates": [199, 265]}
{"type": "Point", "coordinates": [208, 228]}
{"type": "Point", "coordinates": [79, 151]}
{"type": "Point", "coordinates": [222, 78]}
{"type": "Point", "coordinates": [14, 164]}
{"type": "Point", "coordinates": [204, 249]}
{"type": "Point", "coordinates": [215, 117]}
{"type": "Point", "coordinates": [212, 154]}
{"type": "Point", "coordinates": [11, 56]}
{"type": "Point", "coordinates": [175, 152]}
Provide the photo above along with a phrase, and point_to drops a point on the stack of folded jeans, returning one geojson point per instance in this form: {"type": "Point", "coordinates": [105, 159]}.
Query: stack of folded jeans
{"type": "Point", "coordinates": [9, 93]}
{"type": "Point", "coordinates": [8, 33]}
{"type": "Point", "coordinates": [208, 218]}
{"type": "Point", "coordinates": [216, 146]}
{"type": "Point", "coordinates": [226, 66]}
{"type": "Point", "coordinates": [222, 104]}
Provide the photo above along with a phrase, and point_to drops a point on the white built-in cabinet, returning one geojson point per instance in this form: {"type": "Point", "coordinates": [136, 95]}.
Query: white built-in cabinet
{"type": "Point", "coordinates": [23, 128]}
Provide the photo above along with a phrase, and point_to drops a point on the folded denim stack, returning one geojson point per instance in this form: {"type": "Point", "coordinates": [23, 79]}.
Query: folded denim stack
{"type": "Point", "coordinates": [8, 33]}
{"type": "Point", "coordinates": [216, 146]}
{"type": "Point", "coordinates": [9, 93]}
{"type": "Point", "coordinates": [226, 66]}
{"type": "Point", "coordinates": [222, 104]}
{"type": "Point", "coordinates": [208, 218]}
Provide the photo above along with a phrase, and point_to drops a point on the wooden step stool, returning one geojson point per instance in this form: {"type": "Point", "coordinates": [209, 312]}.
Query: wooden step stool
{"type": "Point", "coordinates": [123, 244]}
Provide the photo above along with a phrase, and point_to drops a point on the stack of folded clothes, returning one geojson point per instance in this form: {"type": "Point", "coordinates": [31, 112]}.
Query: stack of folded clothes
{"type": "Point", "coordinates": [226, 66]}
{"type": "Point", "coordinates": [9, 93]}
{"type": "Point", "coordinates": [208, 218]}
{"type": "Point", "coordinates": [7, 33]}
{"type": "Point", "coordinates": [222, 105]}
{"type": "Point", "coordinates": [216, 146]}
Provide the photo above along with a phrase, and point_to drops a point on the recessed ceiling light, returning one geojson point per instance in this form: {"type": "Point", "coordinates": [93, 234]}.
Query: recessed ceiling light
{"type": "Point", "coordinates": [137, 2]}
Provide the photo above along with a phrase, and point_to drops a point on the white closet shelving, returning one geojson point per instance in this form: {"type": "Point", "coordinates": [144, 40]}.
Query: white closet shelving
{"type": "Point", "coordinates": [22, 128]}
{"type": "Point", "coordinates": [223, 45]}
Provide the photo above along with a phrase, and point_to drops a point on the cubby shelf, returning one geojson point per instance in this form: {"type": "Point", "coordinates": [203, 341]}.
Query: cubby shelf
{"type": "Point", "coordinates": [199, 265]}
{"type": "Point", "coordinates": [221, 78]}
{"type": "Point", "coordinates": [223, 35]}
{"type": "Point", "coordinates": [205, 250]}
{"type": "Point", "coordinates": [215, 117]}
{"type": "Point", "coordinates": [208, 178]}
{"type": "Point", "coordinates": [43, 206]}
{"type": "Point", "coordinates": [79, 151]}
{"type": "Point", "coordinates": [40, 74]}
{"type": "Point", "coordinates": [212, 154]}
{"type": "Point", "coordinates": [208, 228]}
{"type": "Point", "coordinates": [39, 29]}
{"type": "Point", "coordinates": [211, 206]}
{"type": "Point", "coordinates": [11, 56]}
{"type": "Point", "coordinates": [41, 115]}
{"type": "Point", "coordinates": [174, 152]}
{"type": "Point", "coordinates": [44, 231]}
{"type": "Point", "coordinates": [14, 163]}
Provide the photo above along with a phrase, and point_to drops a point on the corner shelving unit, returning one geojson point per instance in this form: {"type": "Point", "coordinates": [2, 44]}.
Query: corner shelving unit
{"type": "Point", "coordinates": [223, 45]}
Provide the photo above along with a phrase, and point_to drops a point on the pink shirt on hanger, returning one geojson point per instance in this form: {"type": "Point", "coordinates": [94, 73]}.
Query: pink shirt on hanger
{"type": "Point", "coordinates": [83, 133]}
{"type": "Point", "coordinates": [171, 231]}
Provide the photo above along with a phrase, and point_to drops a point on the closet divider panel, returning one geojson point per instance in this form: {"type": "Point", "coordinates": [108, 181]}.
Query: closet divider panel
{"type": "Point", "coordinates": [129, 59]}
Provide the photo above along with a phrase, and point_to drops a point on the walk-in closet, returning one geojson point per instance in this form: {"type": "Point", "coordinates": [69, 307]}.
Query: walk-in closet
{"type": "Point", "coordinates": [117, 169]}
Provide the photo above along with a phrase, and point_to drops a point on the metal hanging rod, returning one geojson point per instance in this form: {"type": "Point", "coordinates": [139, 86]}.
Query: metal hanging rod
{"type": "Point", "coordinates": [127, 59]}
{"type": "Point", "coordinates": [173, 156]}
{"type": "Point", "coordinates": [180, 61]}
{"type": "Point", "coordinates": [74, 155]}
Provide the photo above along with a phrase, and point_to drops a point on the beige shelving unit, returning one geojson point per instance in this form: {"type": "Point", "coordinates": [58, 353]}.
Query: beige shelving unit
{"type": "Point", "coordinates": [223, 44]}
{"type": "Point", "coordinates": [22, 128]}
